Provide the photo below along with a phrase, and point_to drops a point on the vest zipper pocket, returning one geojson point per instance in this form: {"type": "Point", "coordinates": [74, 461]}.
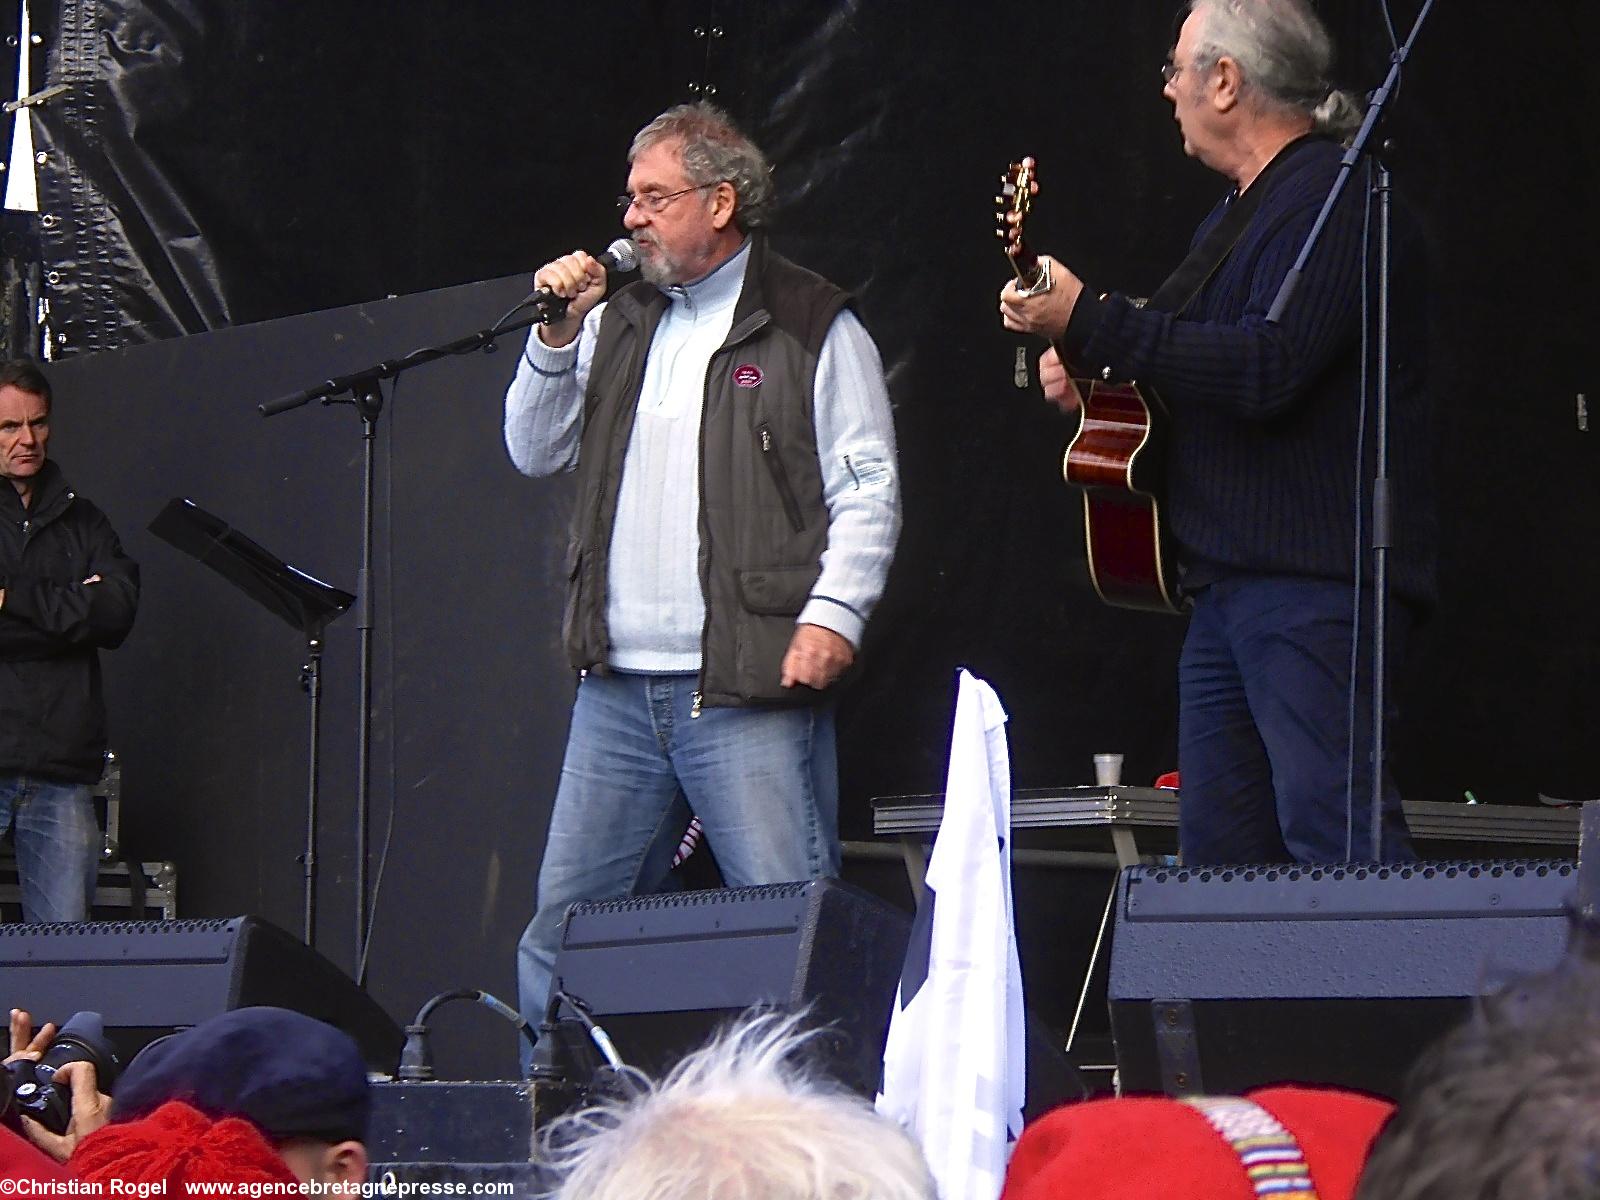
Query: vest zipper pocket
{"type": "Point", "coordinates": [780, 477]}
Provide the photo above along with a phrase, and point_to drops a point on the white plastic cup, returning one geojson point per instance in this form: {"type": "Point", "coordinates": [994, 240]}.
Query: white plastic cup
{"type": "Point", "coordinates": [1107, 769]}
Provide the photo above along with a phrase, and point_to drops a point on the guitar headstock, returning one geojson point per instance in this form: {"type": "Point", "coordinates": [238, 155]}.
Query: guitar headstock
{"type": "Point", "coordinates": [1018, 186]}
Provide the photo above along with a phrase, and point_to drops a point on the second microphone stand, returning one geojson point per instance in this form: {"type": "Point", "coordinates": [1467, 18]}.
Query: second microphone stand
{"type": "Point", "coordinates": [364, 391]}
{"type": "Point", "coordinates": [1382, 496]}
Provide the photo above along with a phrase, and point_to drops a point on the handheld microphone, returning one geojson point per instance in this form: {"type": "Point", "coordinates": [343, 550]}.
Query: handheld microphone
{"type": "Point", "coordinates": [619, 258]}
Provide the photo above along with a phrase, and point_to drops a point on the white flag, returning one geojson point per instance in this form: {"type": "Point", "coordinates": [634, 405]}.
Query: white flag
{"type": "Point", "coordinates": [953, 1065]}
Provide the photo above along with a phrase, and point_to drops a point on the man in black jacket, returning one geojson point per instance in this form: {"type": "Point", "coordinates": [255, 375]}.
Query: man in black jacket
{"type": "Point", "coordinates": [1267, 497]}
{"type": "Point", "coordinates": [66, 589]}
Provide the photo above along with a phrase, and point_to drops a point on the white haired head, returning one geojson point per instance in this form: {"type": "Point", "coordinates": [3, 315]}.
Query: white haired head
{"type": "Point", "coordinates": [1284, 55]}
{"type": "Point", "coordinates": [741, 1119]}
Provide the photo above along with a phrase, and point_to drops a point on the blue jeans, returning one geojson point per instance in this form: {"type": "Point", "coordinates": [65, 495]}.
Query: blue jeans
{"type": "Point", "coordinates": [58, 845]}
{"type": "Point", "coordinates": [763, 781]}
{"type": "Point", "coordinates": [1263, 726]}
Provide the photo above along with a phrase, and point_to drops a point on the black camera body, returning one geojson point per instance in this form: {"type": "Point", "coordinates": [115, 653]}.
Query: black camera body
{"type": "Point", "coordinates": [29, 1087]}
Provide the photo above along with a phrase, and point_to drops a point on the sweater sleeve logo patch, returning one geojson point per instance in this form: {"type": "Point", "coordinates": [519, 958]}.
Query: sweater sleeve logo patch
{"type": "Point", "coordinates": [747, 375]}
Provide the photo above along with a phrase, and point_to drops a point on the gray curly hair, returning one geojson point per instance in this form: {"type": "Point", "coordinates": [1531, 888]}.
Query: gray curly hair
{"type": "Point", "coordinates": [744, 1118]}
{"type": "Point", "coordinates": [715, 150]}
{"type": "Point", "coordinates": [1284, 53]}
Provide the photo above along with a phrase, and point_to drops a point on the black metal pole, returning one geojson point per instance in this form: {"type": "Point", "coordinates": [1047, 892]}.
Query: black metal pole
{"type": "Point", "coordinates": [311, 680]}
{"type": "Point", "coordinates": [1382, 530]}
{"type": "Point", "coordinates": [369, 404]}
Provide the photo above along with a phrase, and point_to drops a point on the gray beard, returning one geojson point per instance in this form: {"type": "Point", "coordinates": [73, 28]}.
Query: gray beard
{"type": "Point", "coordinates": [663, 270]}
{"type": "Point", "coordinates": [659, 271]}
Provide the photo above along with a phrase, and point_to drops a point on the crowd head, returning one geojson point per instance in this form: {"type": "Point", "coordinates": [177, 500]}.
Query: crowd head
{"type": "Point", "coordinates": [1508, 1103]}
{"type": "Point", "coordinates": [258, 1095]}
{"type": "Point", "coordinates": [301, 1082]}
{"type": "Point", "coordinates": [1203, 1148]}
{"type": "Point", "coordinates": [745, 1118]}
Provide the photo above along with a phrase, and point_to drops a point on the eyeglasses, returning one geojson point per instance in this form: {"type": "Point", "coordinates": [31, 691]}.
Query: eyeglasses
{"type": "Point", "coordinates": [651, 202]}
{"type": "Point", "coordinates": [1170, 71]}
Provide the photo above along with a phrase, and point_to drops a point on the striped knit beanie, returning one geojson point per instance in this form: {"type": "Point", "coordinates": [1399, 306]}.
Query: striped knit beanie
{"type": "Point", "coordinates": [1296, 1142]}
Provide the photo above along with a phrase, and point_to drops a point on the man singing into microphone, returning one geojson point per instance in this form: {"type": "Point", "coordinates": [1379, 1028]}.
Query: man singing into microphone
{"type": "Point", "coordinates": [737, 510]}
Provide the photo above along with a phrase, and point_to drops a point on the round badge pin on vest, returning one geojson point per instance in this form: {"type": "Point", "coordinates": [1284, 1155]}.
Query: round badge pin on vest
{"type": "Point", "coordinates": [747, 375]}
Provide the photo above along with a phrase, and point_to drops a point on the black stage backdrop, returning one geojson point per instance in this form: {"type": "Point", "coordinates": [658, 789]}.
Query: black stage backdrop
{"type": "Point", "coordinates": [218, 164]}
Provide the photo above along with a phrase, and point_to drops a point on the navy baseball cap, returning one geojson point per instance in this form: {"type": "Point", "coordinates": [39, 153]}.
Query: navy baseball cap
{"type": "Point", "coordinates": [288, 1074]}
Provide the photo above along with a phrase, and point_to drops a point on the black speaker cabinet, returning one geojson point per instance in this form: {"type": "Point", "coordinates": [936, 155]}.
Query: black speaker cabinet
{"type": "Point", "coordinates": [147, 978]}
{"type": "Point", "coordinates": [662, 972]}
{"type": "Point", "coordinates": [1229, 978]}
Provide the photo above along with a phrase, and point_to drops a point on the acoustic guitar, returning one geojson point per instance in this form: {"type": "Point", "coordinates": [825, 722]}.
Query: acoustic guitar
{"type": "Point", "coordinates": [1116, 458]}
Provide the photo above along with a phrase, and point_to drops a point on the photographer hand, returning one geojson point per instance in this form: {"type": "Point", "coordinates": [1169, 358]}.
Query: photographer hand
{"type": "Point", "coordinates": [91, 1110]}
{"type": "Point", "coordinates": [25, 1041]}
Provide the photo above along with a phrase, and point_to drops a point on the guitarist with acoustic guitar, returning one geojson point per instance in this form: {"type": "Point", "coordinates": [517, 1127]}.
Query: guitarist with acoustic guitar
{"type": "Point", "coordinates": [1267, 502]}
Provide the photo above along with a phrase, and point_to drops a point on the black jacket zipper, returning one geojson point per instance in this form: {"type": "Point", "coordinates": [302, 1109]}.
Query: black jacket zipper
{"type": "Point", "coordinates": [780, 477]}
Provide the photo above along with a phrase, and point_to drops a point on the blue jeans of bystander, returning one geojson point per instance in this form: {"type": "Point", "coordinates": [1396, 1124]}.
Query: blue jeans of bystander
{"type": "Point", "coordinates": [58, 842]}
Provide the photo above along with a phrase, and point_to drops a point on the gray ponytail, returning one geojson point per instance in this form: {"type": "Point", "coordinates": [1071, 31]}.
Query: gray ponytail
{"type": "Point", "coordinates": [1284, 54]}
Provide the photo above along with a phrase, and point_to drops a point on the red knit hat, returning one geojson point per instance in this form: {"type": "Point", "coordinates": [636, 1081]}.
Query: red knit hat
{"type": "Point", "coordinates": [180, 1145]}
{"type": "Point", "coordinates": [1155, 1148]}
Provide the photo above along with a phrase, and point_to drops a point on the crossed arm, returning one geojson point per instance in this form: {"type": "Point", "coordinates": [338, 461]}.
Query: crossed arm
{"type": "Point", "coordinates": [42, 617]}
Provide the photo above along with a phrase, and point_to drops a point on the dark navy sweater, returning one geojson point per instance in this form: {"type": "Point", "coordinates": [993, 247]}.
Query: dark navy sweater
{"type": "Point", "coordinates": [1262, 467]}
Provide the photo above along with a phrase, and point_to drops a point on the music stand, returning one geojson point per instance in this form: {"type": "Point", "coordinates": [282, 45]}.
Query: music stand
{"type": "Point", "coordinates": [303, 602]}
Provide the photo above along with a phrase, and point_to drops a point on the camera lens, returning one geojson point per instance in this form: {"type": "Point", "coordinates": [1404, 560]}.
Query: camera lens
{"type": "Point", "coordinates": [32, 1086]}
{"type": "Point", "coordinates": [83, 1039]}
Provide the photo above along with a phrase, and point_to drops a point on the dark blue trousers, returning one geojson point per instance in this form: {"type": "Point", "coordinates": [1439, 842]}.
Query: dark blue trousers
{"type": "Point", "coordinates": [1264, 746]}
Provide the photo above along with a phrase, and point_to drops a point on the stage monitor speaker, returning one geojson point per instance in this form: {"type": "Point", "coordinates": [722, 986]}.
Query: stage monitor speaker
{"type": "Point", "coordinates": [1224, 979]}
{"type": "Point", "coordinates": [147, 978]}
{"type": "Point", "coordinates": [662, 972]}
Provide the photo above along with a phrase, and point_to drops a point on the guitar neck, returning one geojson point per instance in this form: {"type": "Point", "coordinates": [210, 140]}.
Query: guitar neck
{"type": "Point", "coordinates": [1026, 264]}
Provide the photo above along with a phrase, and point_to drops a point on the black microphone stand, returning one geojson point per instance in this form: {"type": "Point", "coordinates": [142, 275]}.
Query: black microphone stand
{"type": "Point", "coordinates": [1382, 500]}
{"type": "Point", "coordinates": [311, 684]}
{"type": "Point", "coordinates": [1382, 525]}
{"type": "Point", "coordinates": [364, 390]}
